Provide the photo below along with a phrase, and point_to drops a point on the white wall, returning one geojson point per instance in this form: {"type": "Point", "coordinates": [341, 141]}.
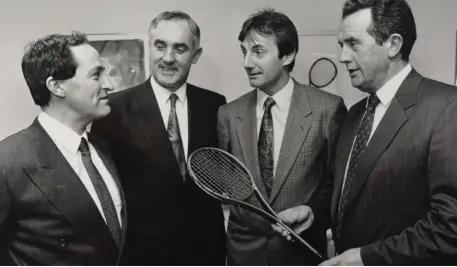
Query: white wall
{"type": "Point", "coordinates": [219, 68]}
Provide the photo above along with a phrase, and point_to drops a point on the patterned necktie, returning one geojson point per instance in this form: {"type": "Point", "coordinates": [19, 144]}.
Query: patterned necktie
{"type": "Point", "coordinates": [175, 136]}
{"type": "Point", "coordinates": [109, 210]}
{"type": "Point", "coordinates": [265, 146]}
{"type": "Point", "coordinates": [360, 143]}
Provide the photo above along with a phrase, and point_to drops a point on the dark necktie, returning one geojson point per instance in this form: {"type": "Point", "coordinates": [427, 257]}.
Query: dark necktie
{"type": "Point", "coordinates": [360, 143]}
{"type": "Point", "coordinates": [175, 136]}
{"type": "Point", "coordinates": [103, 194]}
{"type": "Point", "coordinates": [265, 146]}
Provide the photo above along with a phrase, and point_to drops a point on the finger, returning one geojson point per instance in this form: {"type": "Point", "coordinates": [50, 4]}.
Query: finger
{"type": "Point", "coordinates": [279, 229]}
{"type": "Point", "coordinates": [284, 215]}
{"type": "Point", "coordinates": [302, 227]}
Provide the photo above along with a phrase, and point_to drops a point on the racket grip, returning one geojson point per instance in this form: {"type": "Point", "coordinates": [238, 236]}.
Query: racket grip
{"type": "Point", "coordinates": [301, 240]}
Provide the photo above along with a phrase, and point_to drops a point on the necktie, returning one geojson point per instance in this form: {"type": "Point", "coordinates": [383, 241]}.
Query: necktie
{"type": "Point", "coordinates": [360, 143]}
{"type": "Point", "coordinates": [175, 136]}
{"type": "Point", "coordinates": [265, 146]}
{"type": "Point", "coordinates": [103, 194]}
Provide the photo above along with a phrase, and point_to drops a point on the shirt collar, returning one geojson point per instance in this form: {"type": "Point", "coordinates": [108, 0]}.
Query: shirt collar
{"type": "Point", "coordinates": [62, 135]}
{"type": "Point", "coordinates": [282, 97]}
{"type": "Point", "coordinates": [163, 95]}
{"type": "Point", "coordinates": [387, 92]}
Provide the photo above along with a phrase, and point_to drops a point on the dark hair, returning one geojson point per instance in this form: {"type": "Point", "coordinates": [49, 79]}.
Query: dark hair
{"type": "Point", "coordinates": [388, 17]}
{"type": "Point", "coordinates": [177, 15]}
{"type": "Point", "coordinates": [270, 22]}
{"type": "Point", "coordinates": [46, 57]}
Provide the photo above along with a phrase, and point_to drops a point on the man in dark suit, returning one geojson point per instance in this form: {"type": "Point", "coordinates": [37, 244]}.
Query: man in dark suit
{"type": "Point", "coordinates": [151, 131]}
{"type": "Point", "coordinates": [60, 200]}
{"type": "Point", "coordinates": [285, 133]}
{"type": "Point", "coordinates": [395, 194]}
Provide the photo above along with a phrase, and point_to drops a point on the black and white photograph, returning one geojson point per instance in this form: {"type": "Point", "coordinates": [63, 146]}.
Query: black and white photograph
{"type": "Point", "coordinates": [228, 133]}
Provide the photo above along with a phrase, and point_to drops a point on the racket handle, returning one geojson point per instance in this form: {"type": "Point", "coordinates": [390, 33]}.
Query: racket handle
{"type": "Point", "coordinates": [301, 240]}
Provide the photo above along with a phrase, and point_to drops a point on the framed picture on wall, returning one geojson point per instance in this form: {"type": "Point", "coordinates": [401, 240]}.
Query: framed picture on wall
{"type": "Point", "coordinates": [125, 56]}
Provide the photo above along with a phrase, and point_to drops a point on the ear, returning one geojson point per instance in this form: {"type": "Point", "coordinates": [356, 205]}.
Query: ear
{"type": "Point", "coordinates": [197, 55]}
{"type": "Point", "coordinates": [394, 44]}
{"type": "Point", "coordinates": [288, 58]}
{"type": "Point", "coordinates": [55, 87]}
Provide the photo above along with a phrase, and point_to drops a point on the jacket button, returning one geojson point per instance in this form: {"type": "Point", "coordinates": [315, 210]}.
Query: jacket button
{"type": "Point", "coordinates": [63, 243]}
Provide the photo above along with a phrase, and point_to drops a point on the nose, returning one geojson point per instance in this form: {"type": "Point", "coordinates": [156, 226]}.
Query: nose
{"type": "Point", "coordinates": [169, 56]}
{"type": "Point", "coordinates": [345, 55]}
{"type": "Point", "coordinates": [107, 86]}
{"type": "Point", "coordinates": [247, 62]}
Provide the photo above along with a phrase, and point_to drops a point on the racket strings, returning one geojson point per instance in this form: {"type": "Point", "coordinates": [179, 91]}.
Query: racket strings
{"type": "Point", "coordinates": [221, 174]}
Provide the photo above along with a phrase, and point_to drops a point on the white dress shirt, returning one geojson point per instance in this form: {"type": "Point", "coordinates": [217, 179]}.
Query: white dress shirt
{"type": "Point", "coordinates": [163, 99]}
{"type": "Point", "coordinates": [68, 141]}
{"type": "Point", "coordinates": [279, 112]}
{"type": "Point", "coordinates": [385, 94]}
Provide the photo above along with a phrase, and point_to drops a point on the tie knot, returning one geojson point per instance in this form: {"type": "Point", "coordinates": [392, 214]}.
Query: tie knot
{"type": "Point", "coordinates": [373, 101]}
{"type": "Point", "coordinates": [83, 146]}
{"type": "Point", "coordinates": [173, 98]}
{"type": "Point", "coordinates": [269, 102]}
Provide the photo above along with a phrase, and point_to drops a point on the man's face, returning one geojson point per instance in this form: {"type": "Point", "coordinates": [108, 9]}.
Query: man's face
{"type": "Point", "coordinates": [366, 61]}
{"type": "Point", "coordinates": [172, 53]}
{"type": "Point", "coordinates": [86, 93]}
{"type": "Point", "coordinates": [261, 60]}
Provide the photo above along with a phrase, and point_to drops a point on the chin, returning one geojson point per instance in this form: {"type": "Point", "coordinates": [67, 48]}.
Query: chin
{"type": "Point", "coordinates": [103, 112]}
{"type": "Point", "coordinates": [167, 83]}
{"type": "Point", "coordinates": [254, 83]}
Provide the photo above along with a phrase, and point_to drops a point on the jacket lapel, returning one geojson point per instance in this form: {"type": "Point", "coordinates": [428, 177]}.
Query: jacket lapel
{"type": "Point", "coordinates": [347, 135]}
{"type": "Point", "coordinates": [297, 127]}
{"type": "Point", "coordinates": [194, 120]}
{"type": "Point", "coordinates": [394, 118]}
{"type": "Point", "coordinates": [148, 119]}
{"type": "Point", "coordinates": [247, 137]}
{"type": "Point", "coordinates": [65, 191]}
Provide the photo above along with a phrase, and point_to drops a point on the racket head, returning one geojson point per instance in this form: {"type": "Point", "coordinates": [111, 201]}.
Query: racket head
{"type": "Point", "coordinates": [220, 174]}
{"type": "Point", "coordinates": [322, 72]}
{"type": "Point", "coordinates": [225, 178]}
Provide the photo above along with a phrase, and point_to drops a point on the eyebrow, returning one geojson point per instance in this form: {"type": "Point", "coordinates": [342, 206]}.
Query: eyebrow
{"type": "Point", "coordinates": [256, 46]}
{"type": "Point", "coordinates": [351, 39]}
{"type": "Point", "coordinates": [96, 69]}
{"type": "Point", "coordinates": [180, 45]}
{"type": "Point", "coordinates": [160, 41]}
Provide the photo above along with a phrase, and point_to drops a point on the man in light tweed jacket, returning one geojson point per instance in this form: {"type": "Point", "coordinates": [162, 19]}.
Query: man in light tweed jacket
{"type": "Point", "coordinates": [285, 133]}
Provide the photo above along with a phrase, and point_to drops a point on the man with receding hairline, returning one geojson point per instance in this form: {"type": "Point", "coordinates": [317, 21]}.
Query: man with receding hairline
{"type": "Point", "coordinates": [152, 130]}
{"type": "Point", "coordinates": [395, 195]}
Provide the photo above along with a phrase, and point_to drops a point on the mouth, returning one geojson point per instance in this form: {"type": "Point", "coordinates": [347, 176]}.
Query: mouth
{"type": "Point", "coordinates": [254, 75]}
{"type": "Point", "coordinates": [352, 72]}
{"type": "Point", "coordinates": [168, 70]}
{"type": "Point", "coordinates": [104, 98]}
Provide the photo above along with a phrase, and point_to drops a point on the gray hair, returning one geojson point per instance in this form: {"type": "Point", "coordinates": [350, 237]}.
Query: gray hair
{"type": "Point", "coordinates": [177, 15]}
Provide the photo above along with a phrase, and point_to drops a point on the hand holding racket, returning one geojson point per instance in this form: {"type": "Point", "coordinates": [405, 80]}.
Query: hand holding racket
{"type": "Point", "coordinates": [225, 178]}
{"type": "Point", "coordinates": [298, 218]}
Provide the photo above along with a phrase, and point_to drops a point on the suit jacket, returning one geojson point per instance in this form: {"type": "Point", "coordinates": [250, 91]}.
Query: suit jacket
{"type": "Point", "coordinates": [402, 207]}
{"type": "Point", "coordinates": [303, 174]}
{"type": "Point", "coordinates": [171, 222]}
{"type": "Point", "coordinates": [47, 217]}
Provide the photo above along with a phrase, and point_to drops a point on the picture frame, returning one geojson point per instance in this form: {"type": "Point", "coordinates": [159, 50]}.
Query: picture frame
{"type": "Point", "coordinates": [125, 57]}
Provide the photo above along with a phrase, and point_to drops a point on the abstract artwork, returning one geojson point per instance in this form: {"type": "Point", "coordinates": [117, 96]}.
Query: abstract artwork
{"type": "Point", "coordinates": [125, 57]}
